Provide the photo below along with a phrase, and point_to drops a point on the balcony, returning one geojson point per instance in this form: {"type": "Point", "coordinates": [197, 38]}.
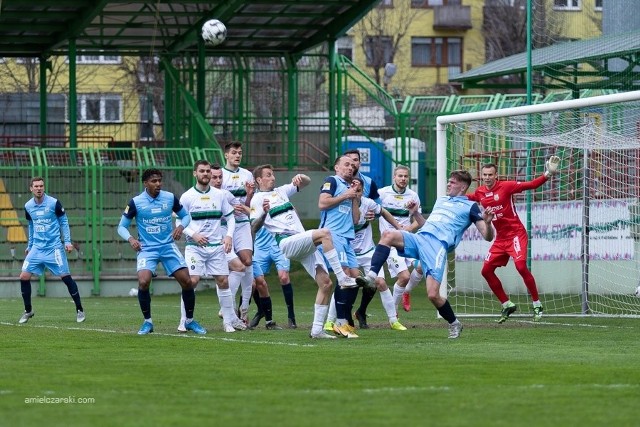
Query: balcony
{"type": "Point", "coordinates": [452, 18]}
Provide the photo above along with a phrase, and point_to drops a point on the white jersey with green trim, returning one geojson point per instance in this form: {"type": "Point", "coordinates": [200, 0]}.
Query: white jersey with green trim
{"type": "Point", "coordinates": [282, 218]}
{"type": "Point", "coordinates": [363, 241]}
{"type": "Point", "coordinates": [396, 204]}
{"type": "Point", "coordinates": [207, 209]}
{"type": "Point", "coordinates": [234, 182]}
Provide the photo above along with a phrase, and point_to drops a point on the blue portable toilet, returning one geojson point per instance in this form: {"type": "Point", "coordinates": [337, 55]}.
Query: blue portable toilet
{"type": "Point", "coordinates": [375, 160]}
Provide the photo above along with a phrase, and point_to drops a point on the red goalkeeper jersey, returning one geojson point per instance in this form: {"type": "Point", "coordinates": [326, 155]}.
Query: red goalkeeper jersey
{"type": "Point", "coordinates": [499, 200]}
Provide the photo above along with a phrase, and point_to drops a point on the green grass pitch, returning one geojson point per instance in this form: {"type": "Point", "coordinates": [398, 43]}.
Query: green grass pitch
{"type": "Point", "coordinates": [561, 372]}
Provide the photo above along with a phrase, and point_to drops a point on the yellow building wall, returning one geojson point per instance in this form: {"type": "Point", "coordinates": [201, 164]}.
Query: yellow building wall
{"type": "Point", "coordinates": [409, 80]}
{"type": "Point", "coordinates": [91, 78]}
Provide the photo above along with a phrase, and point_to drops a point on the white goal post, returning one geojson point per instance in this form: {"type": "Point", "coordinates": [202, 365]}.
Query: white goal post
{"type": "Point", "coordinates": [584, 223]}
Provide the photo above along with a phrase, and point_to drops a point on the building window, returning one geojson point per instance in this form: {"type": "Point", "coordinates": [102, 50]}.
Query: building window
{"type": "Point", "coordinates": [148, 117]}
{"type": "Point", "coordinates": [422, 4]}
{"type": "Point", "coordinates": [598, 5]}
{"type": "Point", "coordinates": [344, 46]}
{"type": "Point", "coordinates": [99, 108]}
{"type": "Point", "coordinates": [436, 51]}
{"type": "Point", "coordinates": [566, 4]}
{"type": "Point", "coordinates": [378, 50]}
{"type": "Point", "coordinates": [97, 59]}
{"type": "Point", "coordinates": [386, 3]}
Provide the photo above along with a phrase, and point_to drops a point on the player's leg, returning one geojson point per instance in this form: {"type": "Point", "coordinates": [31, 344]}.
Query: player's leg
{"type": "Point", "coordinates": [415, 277]}
{"type": "Point", "coordinates": [364, 261]}
{"type": "Point", "coordinates": [498, 256]}
{"type": "Point", "coordinates": [322, 237]}
{"type": "Point", "coordinates": [390, 238]}
{"type": "Point", "coordinates": [389, 305]}
{"type": "Point", "coordinates": [57, 263]}
{"type": "Point", "coordinates": [323, 296]}
{"type": "Point", "coordinates": [230, 322]}
{"type": "Point", "coordinates": [243, 245]}
{"type": "Point", "coordinates": [33, 264]}
{"type": "Point", "coordinates": [283, 265]}
{"type": "Point", "coordinates": [175, 265]}
{"type": "Point", "coordinates": [196, 258]}
{"type": "Point", "coordinates": [519, 248]}
{"type": "Point", "coordinates": [431, 252]}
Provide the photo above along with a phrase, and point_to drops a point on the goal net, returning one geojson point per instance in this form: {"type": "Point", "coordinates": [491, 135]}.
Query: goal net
{"type": "Point", "coordinates": [584, 223]}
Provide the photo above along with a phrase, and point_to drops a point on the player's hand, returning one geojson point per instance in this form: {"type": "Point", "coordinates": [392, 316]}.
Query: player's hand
{"type": "Point", "coordinates": [249, 187]}
{"type": "Point", "coordinates": [370, 215]}
{"type": "Point", "coordinates": [177, 232]}
{"type": "Point", "coordinates": [412, 206]}
{"type": "Point", "coordinates": [241, 210]}
{"type": "Point", "coordinates": [135, 244]}
{"type": "Point", "coordinates": [266, 205]}
{"type": "Point", "coordinates": [227, 244]}
{"type": "Point", "coordinates": [200, 239]}
{"type": "Point", "coordinates": [552, 165]}
{"type": "Point", "coordinates": [487, 216]}
{"type": "Point", "coordinates": [69, 247]}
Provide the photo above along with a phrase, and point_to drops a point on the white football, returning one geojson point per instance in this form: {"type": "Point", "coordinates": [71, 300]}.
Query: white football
{"type": "Point", "coordinates": [214, 32]}
{"type": "Point", "coordinates": [637, 293]}
{"type": "Point", "coordinates": [133, 292]}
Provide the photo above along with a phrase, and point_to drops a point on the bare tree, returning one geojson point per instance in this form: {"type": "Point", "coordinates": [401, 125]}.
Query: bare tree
{"type": "Point", "coordinates": [382, 31]}
{"type": "Point", "coordinates": [505, 28]}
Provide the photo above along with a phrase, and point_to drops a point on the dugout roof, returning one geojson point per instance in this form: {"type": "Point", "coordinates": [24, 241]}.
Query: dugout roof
{"type": "Point", "coordinates": [606, 62]}
{"type": "Point", "coordinates": [34, 28]}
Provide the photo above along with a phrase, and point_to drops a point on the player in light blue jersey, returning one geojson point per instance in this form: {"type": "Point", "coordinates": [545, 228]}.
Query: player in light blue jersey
{"type": "Point", "coordinates": [441, 233]}
{"type": "Point", "coordinates": [47, 219]}
{"type": "Point", "coordinates": [153, 209]}
{"type": "Point", "coordinates": [339, 211]}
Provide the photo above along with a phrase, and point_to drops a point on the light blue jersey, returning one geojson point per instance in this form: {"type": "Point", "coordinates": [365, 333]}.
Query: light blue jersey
{"type": "Point", "coordinates": [46, 221]}
{"type": "Point", "coordinates": [369, 187]}
{"type": "Point", "coordinates": [339, 218]}
{"type": "Point", "coordinates": [440, 234]}
{"type": "Point", "coordinates": [45, 250]}
{"type": "Point", "coordinates": [450, 217]}
{"type": "Point", "coordinates": [154, 217]}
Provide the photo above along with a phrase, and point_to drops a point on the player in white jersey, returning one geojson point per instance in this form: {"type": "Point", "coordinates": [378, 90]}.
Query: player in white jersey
{"type": "Point", "coordinates": [364, 246]}
{"type": "Point", "coordinates": [236, 267]}
{"type": "Point", "coordinates": [208, 242]}
{"type": "Point", "coordinates": [271, 208]}
{"type": "Point", "coordinates": [395, 198]}
{"type": "Point", "coordinates": [239, 182]}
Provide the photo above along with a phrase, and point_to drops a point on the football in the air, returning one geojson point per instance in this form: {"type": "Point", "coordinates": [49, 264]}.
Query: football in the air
{"type": "Point", "coordinates": [214, 32]}
{"type": "Point", "coordinates": [133, 292]}
{"type": "Point", "coordinates": [637, 293]}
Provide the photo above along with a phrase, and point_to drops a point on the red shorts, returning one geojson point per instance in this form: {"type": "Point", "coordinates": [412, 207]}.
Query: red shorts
{"type": "Point", "coordinates": [503, 249]}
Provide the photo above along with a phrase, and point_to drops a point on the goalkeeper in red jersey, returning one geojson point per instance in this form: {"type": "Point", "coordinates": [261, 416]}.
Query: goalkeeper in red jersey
{"type": "Point", "coordinates": [511, 240]}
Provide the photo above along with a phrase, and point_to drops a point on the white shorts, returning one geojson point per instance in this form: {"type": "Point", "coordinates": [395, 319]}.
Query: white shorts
{"type": "Point", "coordinates": [206, 260]}
{"type": "Point", "coordinates": [300, 247]}
{"type": "Point", "coordinates": [242, 238]}
{"type": "Point", "coordinates": [396, 263]}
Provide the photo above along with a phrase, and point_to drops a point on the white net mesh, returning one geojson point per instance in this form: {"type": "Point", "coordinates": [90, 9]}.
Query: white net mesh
{"type": "Point", "coordinates": [584, 223]}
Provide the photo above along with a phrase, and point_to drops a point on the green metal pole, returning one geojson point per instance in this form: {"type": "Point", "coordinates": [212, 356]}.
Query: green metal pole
{"type": "Point", "coordinates": [94, 220]}
{"type": "Point", "coordinates": [332, 103]}
{"type": "Point", "coordinates": [169, 111]}
{"type": "Point", "coordinates": [44, 64]}
{"type": "Point", "coordinates": [529, 194]}
{"type": "Point", "coordinates": [73, 96]}
{"type": "Point", "coordinates": [292, 115]}
{"type": "Point", "coordinates": [200, 90]}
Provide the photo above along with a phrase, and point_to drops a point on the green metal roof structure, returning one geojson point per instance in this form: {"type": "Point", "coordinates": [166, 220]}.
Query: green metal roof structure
{"type": "Point", "coordinates": [41, 28]}
{"type": "Point", "coordinates": [575, 65]}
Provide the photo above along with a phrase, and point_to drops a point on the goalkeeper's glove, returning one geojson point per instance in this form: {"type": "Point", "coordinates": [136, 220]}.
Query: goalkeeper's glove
{"type": "Point", "coordinates": [552, 166]}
